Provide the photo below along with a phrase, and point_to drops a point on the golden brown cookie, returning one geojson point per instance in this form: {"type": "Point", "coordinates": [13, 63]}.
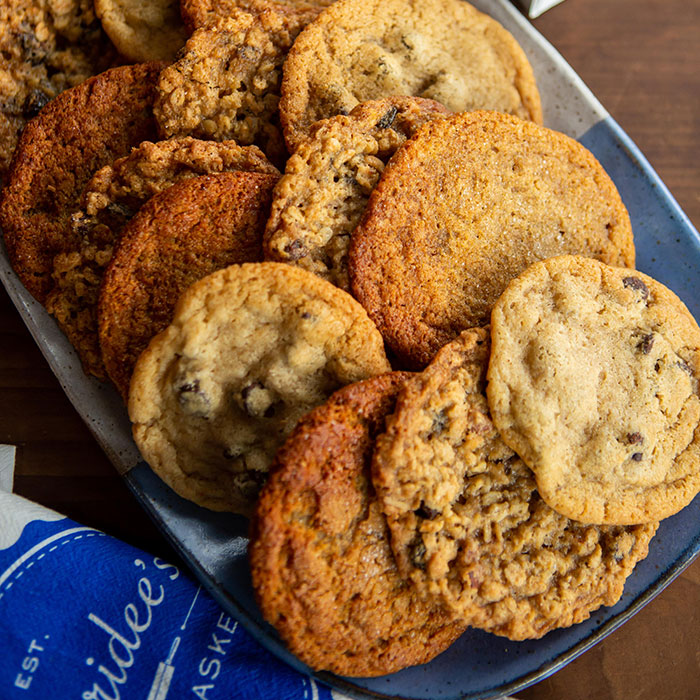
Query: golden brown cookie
{"type": "Point", "coordinates": [464, 207]}
{"type": "Point", "coordinates": [594, 382]}
{"type": "Point", "coordinates": [327, 182]}
{"type": "Point", "coordinates": [322, 568]}
{"type": "Point", "coordinates": [197, 13]}
{"type": "Point", "coordinates": [143, 31]}
{"type": "Point", "coordinates": [77, 133]}
{"type": "Point", "coordinates": [112, 196]}
{"type": "Point", "coordinates": [188, 231]}
{"type": "Point", "coordinates": [45, 48]}
{"type": "Point", "coordinates": [467, 525]}
{"type": "Point", "coordinates": [251, 348]}
{"type": "Point", "coordinates": [226, 83]}
{"type": "Point", "coordinates": [359, 50]}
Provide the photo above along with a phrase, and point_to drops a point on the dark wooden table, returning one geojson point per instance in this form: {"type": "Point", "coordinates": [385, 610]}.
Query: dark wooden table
{"type": "Point", "coordinates": [642, 59]}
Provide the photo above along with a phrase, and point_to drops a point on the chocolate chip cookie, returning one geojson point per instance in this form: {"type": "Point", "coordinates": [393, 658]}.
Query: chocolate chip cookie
{"type": "Point", "coordinates": [594, 382]}
{"type": "Point", "coordinates": [462, 208]}
{"type": "Point", "coordinates": [322, 567]}
{"type": "Point", "coordinates": [327, 182]}
{"type": "Point", "coordinates": [359, 50]}
{"type": "Point", "coordinates": [251, 348]}
{"type": "Point", "coordinates": [226, 83]}
{"type": "Point", "coordinates": [467, 524]}
{"type": "Point", "coordinates": [78, 132]}
{"type": "Point", "coordinates": [186, 232]}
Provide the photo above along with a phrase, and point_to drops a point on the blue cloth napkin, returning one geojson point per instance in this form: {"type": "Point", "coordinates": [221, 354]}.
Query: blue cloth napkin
{"type": "Point", "coordinates": [84, 615]}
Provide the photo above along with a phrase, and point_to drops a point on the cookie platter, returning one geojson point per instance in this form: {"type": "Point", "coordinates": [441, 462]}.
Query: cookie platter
{"type": "Point", "coordinates": [479, 664]}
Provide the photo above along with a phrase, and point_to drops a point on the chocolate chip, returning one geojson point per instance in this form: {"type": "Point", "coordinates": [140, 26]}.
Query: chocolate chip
{"type": "Point", "coordinates": [307, 316]}
{"type": "Point", "coordinates": [637, 457]}
{"type": "Point", "coordinates": [634, 438]}
{"type": "Point", "coordinates": [504, 460]}
{"type": "Point", "coordinates": [193, 400]}
{"type": "Point", "coordinates": [613, 545]}
{"type": "Point", "coordinates": [294, 250]}
{"type": "Point", "coordinates": [426, 512]}
{"type": "Point", "coordinates": [257, 477]}
{"type": "Point", "coordinates": [120, 210]}
{"type": "Point", "coordinates": [34, 102]}
{"type": "Point", "coordinates": [685, 367]}
{"type": "Point", "coordinates": [637, 284]}
{"type": "Point", "coordinates": [189, 387]}
{"type": "Point", "coordinates": [439, 424]}
{"type": "Point", "coordinates": [33, 50]}
{"type": "Point", "coordinates": [646, 343]}
{"type": "Point", "coordinates": [417, 552]}
{"type": "Point", "coordinates": [507, 468]}
{"type": "Point", "coordinates": [388, 119]}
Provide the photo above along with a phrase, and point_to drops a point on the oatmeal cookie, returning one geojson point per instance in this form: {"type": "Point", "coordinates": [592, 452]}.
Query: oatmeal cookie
{"type": "Point", "coordinates": [322, 567]}
{"type": "Point", "coordinates": [186, 232]}
{"type": "Point", "coordinates": [467, 524]}
{"type": "Point", "coordinates": [197, 13]}
{"type": "Point", "coordinates": [465, 206]}
{"type": "Point", "coordinates": [251, 348]}
{"type": "Point", "coordinates": [143, 31]}
{"type": "Point", "coordinates": [327, 182]}
{"type": "Point", "coordinates": [45, 48]}
{"type": "Point", "coordinates": [78, 132]}
{"type": "Point", "coordinates": [226, 83]}
{"type": "Point", "coordinates": [110, 199]}
{"type": "Point", "coordinates": [359, 50]}
{"type": "Point", "coordinates": [594, 383]}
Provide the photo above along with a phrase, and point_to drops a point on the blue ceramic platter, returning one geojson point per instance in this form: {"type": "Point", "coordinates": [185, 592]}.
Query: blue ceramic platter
{"type": "Point", "coordinates": [478, 665]}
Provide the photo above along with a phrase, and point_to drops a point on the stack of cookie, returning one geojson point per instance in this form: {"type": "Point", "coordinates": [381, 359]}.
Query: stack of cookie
{"type": "Point", "coordinates": [543, 409]}
{"type": "Point", "coordinates": [396, 516]}
{"type": "Point", "coordinates": [129, 187]}
{"type": "Point", "coordinates": [512, 485]}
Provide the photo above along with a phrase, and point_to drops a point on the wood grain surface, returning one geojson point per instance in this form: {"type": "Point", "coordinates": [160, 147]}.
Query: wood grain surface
{"type": "Point", "coordinates": [642, 60]}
